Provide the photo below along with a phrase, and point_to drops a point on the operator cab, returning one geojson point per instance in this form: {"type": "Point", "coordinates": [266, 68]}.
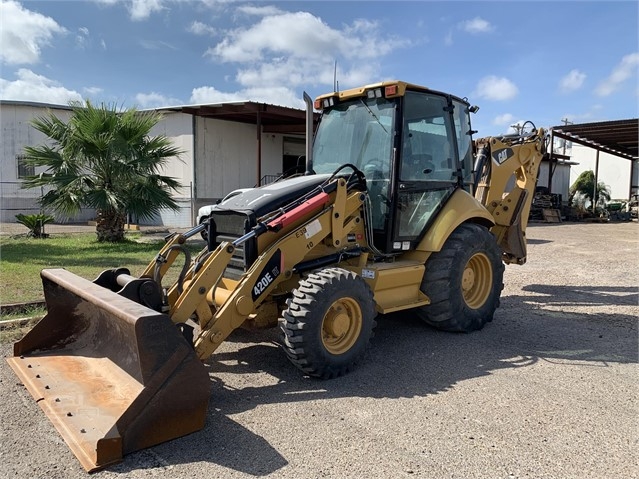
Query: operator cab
{"type": "Point", "coordinates": [413, 145]}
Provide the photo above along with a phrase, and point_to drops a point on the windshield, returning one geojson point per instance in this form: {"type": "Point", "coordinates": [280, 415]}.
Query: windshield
{"type": "Point", "coordinates": [357, 132]}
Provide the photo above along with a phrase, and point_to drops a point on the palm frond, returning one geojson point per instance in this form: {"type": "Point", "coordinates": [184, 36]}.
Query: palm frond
{"type": "Point", "coordinates": [104, 158]}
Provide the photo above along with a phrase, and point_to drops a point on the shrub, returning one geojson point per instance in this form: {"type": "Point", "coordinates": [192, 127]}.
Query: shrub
{"type": "Point", "coordinates": [35, 223]}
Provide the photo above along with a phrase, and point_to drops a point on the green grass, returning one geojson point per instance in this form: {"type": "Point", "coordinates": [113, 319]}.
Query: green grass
{"type": "Point", "coordinates": [21, 260]}
{"type": "Point", "coordinates": [36, 310]}
{"type": "Point", "coordinates": [10, 332]}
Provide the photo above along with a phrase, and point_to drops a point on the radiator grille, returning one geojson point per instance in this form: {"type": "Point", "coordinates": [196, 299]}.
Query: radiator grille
{"type": "Point", "coordinates": [229, 227]}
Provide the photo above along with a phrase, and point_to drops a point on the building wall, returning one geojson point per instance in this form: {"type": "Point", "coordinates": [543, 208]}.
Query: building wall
{"type": "Point", "coordinates": [217, 157]}
{"type": "Point", "coordinates": [560, 179]}
{"type": "Point", "coordinates": [226, 157]}
{"type": "Point", "coordinates": [178, 127]}
{"type": "Point", "coordinates": [16, 132]}
{"type": "Point", "coordinates": [613, 170]}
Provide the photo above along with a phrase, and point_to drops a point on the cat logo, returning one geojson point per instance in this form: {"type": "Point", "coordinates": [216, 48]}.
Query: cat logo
{"type": "Point", "coordinates": [502, 155]}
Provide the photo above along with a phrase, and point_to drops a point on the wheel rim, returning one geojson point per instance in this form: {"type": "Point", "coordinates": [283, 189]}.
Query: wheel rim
{"type": "Point", "coordinates": [341, 326]}
{"type": "Point", "coordinates": [477, 280]}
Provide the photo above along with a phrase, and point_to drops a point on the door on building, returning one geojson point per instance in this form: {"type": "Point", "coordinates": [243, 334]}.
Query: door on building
{"type": "Point", "coordinates": [294, 157]}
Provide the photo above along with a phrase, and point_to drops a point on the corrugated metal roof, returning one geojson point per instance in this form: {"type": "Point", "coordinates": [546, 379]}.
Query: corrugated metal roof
{"type": "Point", "coordinates": [35, 104]}
{"type": "Point", "coordinates": [273, 118]}
{"type": "Point", "coordinates": [619, 137]}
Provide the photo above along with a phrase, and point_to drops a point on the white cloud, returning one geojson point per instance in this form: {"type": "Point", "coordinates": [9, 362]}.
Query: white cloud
{"type": "Point", "coordinates": [153, 99]}
{"type": "Point", "coordinates": [624, 70]}
{"type": "Point", "coordinates": [515, 127]}
{"type": "Point", "coordinates": [82, 38]}
{"type": "Point", "coordinates": [281, 95]}
{"type": "Point", "coordinates": [142, 9]}
{"type": "Point", "coordinates": [24, 33]}
{"type": "Point", "coordinates": [505, 119]}
{"type": "Point", "coordinates": [572, 81]}
{"type": "Point", "coordinates": [199, 28]}
{"type": "Point", "coordinates": [92, 90]}
{"type": "Point", "coordinates": [138, 9]}
{"type": "Point", "coordinates": [282, 50]}
{"type": "Point", "coordinates": [300, 35]}
{"type": "Point", "coordinates": [30, 86]}
{"type": "Point", "coordinates": [308, 71]}
{"type": "Point", "coordinates": [477, 25]}
{"type": "Point", "coordinates": [259, 11]}
{"type": "Point", "coordinates": [496, 88]}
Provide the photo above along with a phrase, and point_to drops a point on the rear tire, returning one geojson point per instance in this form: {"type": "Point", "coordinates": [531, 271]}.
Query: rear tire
{"type": "Point", "coordinates": [463, 281]}
{"type": "Point", "coordinates": [328, 323]}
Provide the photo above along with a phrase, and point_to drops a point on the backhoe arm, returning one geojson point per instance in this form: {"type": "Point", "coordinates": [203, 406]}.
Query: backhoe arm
{"type": "Point", "coordinates": [507, 169]}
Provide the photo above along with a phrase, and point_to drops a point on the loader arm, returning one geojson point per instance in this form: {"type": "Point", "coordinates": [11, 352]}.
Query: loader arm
{"type": "Point", "coordinates": [506, 175]}
{"type": "Point", "coordinates": [329, 219]}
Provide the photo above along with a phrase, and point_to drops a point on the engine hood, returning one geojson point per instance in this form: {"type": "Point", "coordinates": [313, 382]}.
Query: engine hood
{"type": "Point", "coordinates": [263, 200]}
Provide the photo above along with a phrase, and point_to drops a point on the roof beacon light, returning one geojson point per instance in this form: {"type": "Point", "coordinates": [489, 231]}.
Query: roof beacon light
{"type": "Point", "coordinates": [390, 90]}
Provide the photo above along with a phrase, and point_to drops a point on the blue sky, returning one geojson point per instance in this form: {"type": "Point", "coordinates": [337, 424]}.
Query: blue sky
{"type": "Point", "coordinates": [539, 61]}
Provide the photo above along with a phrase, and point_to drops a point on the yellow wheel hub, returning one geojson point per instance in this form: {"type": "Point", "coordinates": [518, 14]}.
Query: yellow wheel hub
{"type": "Point", "coordinates": [477, 280]}
{"type": "Point", "coordinates": [341, 326]}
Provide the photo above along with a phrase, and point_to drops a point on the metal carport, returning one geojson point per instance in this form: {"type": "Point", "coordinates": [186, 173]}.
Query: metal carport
{"type": "Point", "coordinates": [618, 138]}
{"type": "Point", "coordinates": [267, 118]}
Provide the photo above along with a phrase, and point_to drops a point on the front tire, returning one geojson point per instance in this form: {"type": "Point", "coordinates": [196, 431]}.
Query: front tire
{"type": "Point", "coordinates": [329, 323]}
{"type": "Point", "coordinates": [463, 281]}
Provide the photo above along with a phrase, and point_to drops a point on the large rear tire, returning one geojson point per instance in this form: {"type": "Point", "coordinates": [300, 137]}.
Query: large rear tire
{"type": "Point", "coordinates": [463, 281]}
{"type": "Point", "coordinates": [329, 322]}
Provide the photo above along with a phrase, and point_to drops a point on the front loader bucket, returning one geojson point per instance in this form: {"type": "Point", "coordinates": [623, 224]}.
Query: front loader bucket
{"type": "Point", "coordinates": [113, 376]}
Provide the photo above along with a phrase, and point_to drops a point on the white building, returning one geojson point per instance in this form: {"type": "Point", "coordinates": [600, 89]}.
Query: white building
{"type": "Point", "coordinates": [222, 152]}
{"type": "Point", "coordinates": [607, 148]}
{"type": "Point", "coordinates": [614, 171]}
{"type": "Point", "coordinates": [16, 133]}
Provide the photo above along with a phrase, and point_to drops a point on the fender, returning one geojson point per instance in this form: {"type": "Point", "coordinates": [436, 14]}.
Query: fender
{"type": "Point", "coordinates": [460, 208]}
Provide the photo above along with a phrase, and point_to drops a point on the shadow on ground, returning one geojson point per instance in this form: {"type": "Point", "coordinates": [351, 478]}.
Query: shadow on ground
{"type": "Point", "coordinates": [406, 359]}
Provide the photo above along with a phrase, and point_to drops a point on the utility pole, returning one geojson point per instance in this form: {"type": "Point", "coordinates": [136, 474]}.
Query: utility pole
{"type": "Point", "coordinates": [518, 128]}
{"type": "Point", "coordinates": [565, 122]}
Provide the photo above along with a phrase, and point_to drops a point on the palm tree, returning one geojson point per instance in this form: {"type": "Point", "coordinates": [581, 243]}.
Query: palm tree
{"type": "Point", "coordinates": [103, 159]}
{"type": "Point", "coordinates": [585, 185]}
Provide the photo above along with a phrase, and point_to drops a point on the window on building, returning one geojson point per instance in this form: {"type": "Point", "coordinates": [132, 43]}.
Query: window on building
{"type": "Point", "coordinates": [24, 170]}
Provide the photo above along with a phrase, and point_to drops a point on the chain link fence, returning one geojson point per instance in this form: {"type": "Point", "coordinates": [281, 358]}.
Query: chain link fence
{"type": "Point", "coordinates": [14, 200]}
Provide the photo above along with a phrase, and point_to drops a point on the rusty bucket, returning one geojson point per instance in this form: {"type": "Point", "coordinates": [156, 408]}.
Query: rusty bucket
{"type": "Point", "coordinates": [113, 376]}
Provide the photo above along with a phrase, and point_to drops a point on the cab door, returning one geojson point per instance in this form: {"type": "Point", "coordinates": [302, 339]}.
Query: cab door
{"type": "Point", "coordinates": [428, 170]}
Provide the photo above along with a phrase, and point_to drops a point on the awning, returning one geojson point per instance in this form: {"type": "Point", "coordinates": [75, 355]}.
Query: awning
{"type": "Point", "coordinates": [271, 118]}
{"type": "Point", "coordinates": [618, 138]}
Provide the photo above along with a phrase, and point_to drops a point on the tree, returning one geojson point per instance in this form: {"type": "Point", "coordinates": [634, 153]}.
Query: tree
{"type": "Point", "coordinates": [585, 185]}
{"type": "Point", "coordinates": [105, 159]}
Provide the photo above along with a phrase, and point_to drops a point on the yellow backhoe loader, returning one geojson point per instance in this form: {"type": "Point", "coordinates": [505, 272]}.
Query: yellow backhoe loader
{"type": "Point", "coordinates": [399, 209]}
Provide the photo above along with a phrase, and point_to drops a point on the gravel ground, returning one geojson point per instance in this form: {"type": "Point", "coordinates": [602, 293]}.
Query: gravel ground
{"type": "Point", "coordinates": [548, 390]}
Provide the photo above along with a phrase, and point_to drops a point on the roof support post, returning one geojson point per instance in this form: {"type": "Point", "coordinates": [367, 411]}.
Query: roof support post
{"type": "Point", "coordinates": [632, 178]}
{"type": "Point", "coordinates": [594, 193]}
{"type": "Point", "coordinates": [550, 160]}
{"type": "Point", "coordinates": [259, 147]}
